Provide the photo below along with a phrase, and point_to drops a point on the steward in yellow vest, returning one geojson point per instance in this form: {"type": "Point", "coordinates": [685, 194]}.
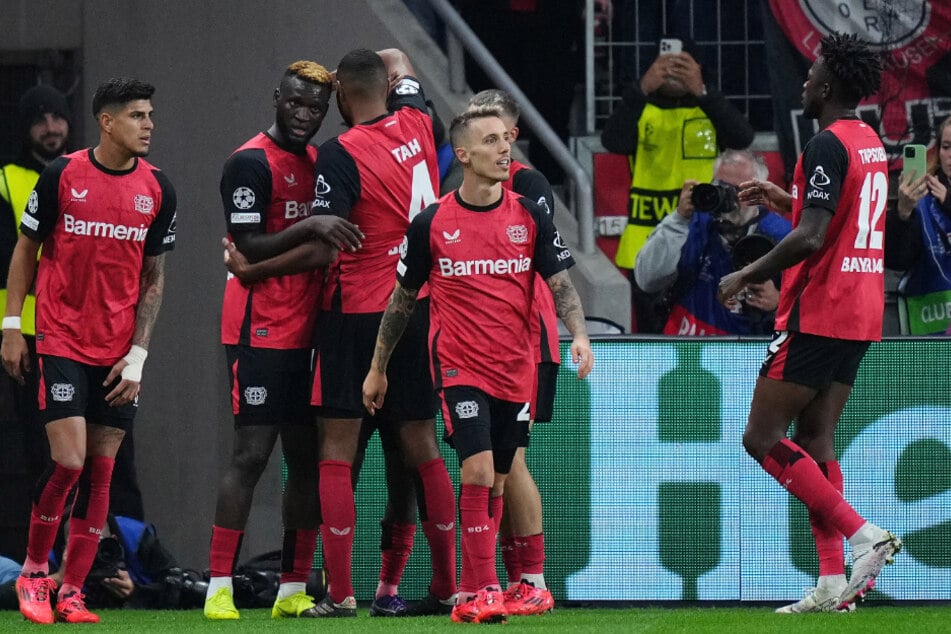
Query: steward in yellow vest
{"type": "Point", "coordinates": [43, 122]}
{"type": "Point", "coordinates": [672, 128]}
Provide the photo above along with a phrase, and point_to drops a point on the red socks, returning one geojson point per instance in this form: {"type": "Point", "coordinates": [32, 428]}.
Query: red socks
{"type": "Point", "coordinates": [438, 517]}
{"type": "Point", "coordinates": [396, 544]}
{"type": "Point", "coordinates": [340, 517]}
{"type": "Point", "coordinates": [511, 549]}
{"type": "Point", "coordinates": [523, 555]}
{"type": "Point", "coordinates": [799, 474]}
{"type": "Point", "coordinates": [532, 556]}
{"type": "Point", "coordinates": [225, 546]}
{"type": "Point", "coordinates": [87, 520]}
{"type": "Point", "coordinates": [297, 554]}
{"type": "Point", "coordinates": [478, 538]}
{"type": "Point", "coordinates": [46, 515]}
{"type": "Point", "coordinates": [829, 544]}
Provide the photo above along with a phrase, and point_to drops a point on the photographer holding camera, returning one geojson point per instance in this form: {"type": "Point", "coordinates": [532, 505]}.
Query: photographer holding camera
{"type": "Point", "coordinates": [711, 235]}
{"type": "Point", "coordinates": [132, 569]}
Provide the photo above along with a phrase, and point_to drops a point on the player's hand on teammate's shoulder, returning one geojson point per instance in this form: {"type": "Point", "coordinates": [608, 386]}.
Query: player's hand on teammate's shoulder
{"type": "Point", "coordinates": [340, 233]}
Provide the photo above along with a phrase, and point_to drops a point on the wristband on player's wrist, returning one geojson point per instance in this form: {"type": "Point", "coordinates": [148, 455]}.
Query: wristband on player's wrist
{"type": "Point", "coordinates": [12, 323]}
{"type": "Point", "coordinates": [135, 359]}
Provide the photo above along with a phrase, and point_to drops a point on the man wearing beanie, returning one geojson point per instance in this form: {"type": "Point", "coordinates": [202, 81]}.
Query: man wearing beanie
{"type": "Point", "coordinates": [43, 128]}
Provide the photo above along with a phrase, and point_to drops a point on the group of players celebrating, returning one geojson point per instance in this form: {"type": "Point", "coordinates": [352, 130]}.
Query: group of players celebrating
{"type": "Point", "coordinates": [468, 269]}
{"type": "Point", "coordinates": [316, 239]}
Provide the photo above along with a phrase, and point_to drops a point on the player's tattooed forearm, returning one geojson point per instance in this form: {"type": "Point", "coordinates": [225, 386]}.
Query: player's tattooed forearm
{"type": "Point", "coordinates": [397, 315]}
{"type": "Point", "coordinates": [567, 302]}
{"type": "Point", "coordinates": [151, 286]}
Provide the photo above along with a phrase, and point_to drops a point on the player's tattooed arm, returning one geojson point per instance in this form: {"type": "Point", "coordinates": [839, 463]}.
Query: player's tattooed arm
{"type": "Point", "coordinates": [568, 307]}
{"type": "Point", "coordinates": [395, 318]}
{"type": "Point", "coordinates": [151, 286]}
{"type": "Point", "coordinates": [567, 302]}
{"type": "Point", "coordinates": [397, 315]}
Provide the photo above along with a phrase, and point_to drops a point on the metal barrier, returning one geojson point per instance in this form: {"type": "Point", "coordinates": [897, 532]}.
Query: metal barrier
{"type": "Point", "coordinates": [461, 37]}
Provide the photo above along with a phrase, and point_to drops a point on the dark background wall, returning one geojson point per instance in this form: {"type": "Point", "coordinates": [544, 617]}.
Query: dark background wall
{"type": "Point", "coordinates": [215, 64]}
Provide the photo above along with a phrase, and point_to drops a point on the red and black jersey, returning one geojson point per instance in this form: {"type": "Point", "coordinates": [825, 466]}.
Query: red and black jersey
{"type": "Point", "coordinates": [533, 185]}
{"type": "Point", "coordinates": [378, 175]}
{"type": "Point", "coordinates": [481, 265]}
{"type": "Point", "coordinates": [839, 290]}
{"type": "Point", "coordinates": [266, 189]}
{"type": "Point", "coordinates": [96, 226]}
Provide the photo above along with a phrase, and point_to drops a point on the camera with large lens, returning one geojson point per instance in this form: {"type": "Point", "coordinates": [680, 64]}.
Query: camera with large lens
{"type": "Point", "coordinates": [109, 558]}
{"type": "Point", "coordinates": [715, 198]}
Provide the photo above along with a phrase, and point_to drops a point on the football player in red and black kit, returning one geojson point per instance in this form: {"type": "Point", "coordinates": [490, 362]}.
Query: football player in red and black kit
{"type": "Point", "coordinates": [521, 534]}
{"type": "Point", "coordinates": [267, 325]}
{"type": "Point", "coordinates": [830, 309]}
{"type": "Point", "coordinates": [379, 174]}
{"type": "Point", "coordinates": [105, 219]}
{"type": "Point", "coordinates": [479, 249]}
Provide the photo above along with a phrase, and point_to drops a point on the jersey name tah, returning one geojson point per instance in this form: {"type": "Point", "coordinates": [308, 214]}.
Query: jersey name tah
{"type": "Point", "coordinates": [379, 175]}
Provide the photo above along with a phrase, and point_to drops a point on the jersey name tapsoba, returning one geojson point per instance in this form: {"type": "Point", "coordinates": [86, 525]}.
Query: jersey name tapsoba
{"type": "Point", "coordinates": [839, 291]}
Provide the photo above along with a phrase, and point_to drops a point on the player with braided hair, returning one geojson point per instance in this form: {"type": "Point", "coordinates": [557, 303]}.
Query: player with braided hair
{"type": "Point", "coordinates": [830, 310]}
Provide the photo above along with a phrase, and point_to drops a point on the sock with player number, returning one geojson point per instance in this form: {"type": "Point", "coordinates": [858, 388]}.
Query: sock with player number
{"type": "Point", "coordinates": [511, 558]}
{"type": "Point", "coordinates": [478, 535]}
{"type": "Point", "coordinates": [87, 521]}
{"type": "Point", "coordinates": [533, 559]}
{"type": "Point", "coordinates": [53, 488]}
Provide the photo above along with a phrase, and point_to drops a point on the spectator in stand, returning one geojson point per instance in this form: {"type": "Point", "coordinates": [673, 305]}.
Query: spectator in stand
{"type": "Point", "coordinates": [916, 241]}
{"type": "Point", "coordinates": [690, 250]}
{"type": "Point", "coordinates": [672, 126]}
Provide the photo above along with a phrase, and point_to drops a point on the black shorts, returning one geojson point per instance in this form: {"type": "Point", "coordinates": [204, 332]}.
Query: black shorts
{"type": "Point", "coordinates": [269, 387]}
{"type": "Point", "coordinates": [477, 422]}
{"type": "Point", "coordinates": [70, 388]}
{"type": "Point", "coordinates": [544, 405]}
{"type": "Point", "coordinates": [812, 360]}
{"type": "Point", "coordinates": [345, 348]}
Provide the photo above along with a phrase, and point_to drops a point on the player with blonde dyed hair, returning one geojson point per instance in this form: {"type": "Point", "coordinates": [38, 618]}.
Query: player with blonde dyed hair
{"type": "Point", "coordinates": [267, 186]}
{"type": "Point", "coordinates": [309, 71]}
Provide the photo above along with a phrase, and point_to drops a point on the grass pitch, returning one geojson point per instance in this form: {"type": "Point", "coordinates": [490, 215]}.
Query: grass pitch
{"type": "Point", "coordinates": [758, 620]}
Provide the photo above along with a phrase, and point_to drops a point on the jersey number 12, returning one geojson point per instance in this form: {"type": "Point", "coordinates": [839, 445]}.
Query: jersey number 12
{"type": "Point", "coordinates": [872, 200]}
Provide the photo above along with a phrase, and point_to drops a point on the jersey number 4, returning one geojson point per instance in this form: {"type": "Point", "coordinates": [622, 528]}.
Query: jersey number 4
{"type": "Point", "coordinates": [423, 194]}
{"type": "Point", "coordinates": [872, 200]}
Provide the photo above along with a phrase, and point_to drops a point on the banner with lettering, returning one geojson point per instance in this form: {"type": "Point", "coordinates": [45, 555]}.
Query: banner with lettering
{"type": "Point", "coordinates": [914, 38]}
